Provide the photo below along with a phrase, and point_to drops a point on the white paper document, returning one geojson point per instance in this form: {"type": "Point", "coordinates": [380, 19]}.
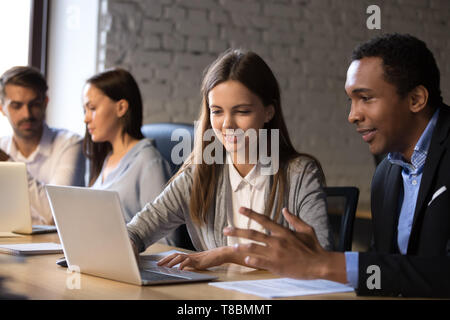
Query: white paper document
{"type": "Point", "coordinates": [31, 248]}
{"type": "Point", "coordinates": [284, 287]}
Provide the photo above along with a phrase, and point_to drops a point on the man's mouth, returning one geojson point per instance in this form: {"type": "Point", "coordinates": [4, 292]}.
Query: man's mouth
{"type": "Point", "coordinates": [26, 124]}
{"type": "Point", "coordinates": [367, 134]}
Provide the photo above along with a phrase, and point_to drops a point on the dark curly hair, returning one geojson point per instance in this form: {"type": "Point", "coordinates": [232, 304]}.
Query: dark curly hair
{"type": "Point", "coordinates": [407, 63]}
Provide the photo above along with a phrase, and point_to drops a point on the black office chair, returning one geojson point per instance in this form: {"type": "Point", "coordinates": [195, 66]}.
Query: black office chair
{"type": "Point", "coordinates": [161, 133]}
{"type": "Point", "coordinates": [350, 195]}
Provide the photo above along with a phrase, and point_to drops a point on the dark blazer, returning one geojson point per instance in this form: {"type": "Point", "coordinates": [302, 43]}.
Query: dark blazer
{"type": "Point", "coordinates": [425, 270]}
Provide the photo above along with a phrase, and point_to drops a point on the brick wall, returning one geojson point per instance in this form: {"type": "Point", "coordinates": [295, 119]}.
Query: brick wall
{"type": "Point", "coordinates": [166, 44]}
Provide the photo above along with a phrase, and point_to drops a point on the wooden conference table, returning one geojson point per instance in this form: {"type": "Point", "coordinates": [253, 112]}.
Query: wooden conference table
{"type": "Point", "coordinates": [38, 277]}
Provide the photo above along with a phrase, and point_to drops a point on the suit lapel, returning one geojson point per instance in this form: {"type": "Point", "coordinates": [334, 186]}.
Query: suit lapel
{"type": "Point", "coordinates": [435, 152]}
{"type": "Point", "coordinates": [390, 212]}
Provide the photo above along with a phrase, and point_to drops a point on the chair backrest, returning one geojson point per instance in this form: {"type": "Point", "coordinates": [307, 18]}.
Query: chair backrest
{"type": "Point", "coordinates": [350, 195]}
{"type": "Point", "coordinates": [161, 133]}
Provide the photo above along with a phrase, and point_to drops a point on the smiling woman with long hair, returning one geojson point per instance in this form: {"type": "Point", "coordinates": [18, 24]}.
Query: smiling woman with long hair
{"type": "Point", "coordinates": [239, 94]}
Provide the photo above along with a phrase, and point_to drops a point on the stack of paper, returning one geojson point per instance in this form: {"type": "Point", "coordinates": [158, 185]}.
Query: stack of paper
{"type": "Point", "coordinates": [31, 248]}
{"type": "Point", "coordinates": [284, 287]}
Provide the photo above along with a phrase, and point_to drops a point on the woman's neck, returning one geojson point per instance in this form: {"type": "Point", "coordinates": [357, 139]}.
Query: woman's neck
{"type": "Point", "coordinates": [242, 167]}
{"type": "Point", "coordinates": [122, 144]}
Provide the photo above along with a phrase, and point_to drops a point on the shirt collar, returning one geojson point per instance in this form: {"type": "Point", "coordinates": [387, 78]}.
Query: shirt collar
{"type": "Point", "coordinates": [420, 150]}
{"type": "Point", "coordinates": [254, 177]}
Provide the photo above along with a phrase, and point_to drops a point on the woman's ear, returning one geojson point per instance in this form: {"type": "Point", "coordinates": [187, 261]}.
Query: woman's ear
{"type": "Point", "coordinates": [122, 107]}
{"type": "Point", "coordinates": [269, 113]}
{"type": "Point", "coordinates": [418, 99]}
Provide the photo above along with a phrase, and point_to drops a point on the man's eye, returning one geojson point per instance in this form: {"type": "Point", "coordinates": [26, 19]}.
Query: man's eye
{"type": "Point", "coordinates": [366, 98]}
{"type": "Point", "coordinates": [15, 105]}
{"type": "Point", "coordinates": [36, 104]}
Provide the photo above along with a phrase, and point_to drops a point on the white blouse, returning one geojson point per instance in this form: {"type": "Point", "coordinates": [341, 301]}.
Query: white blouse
{"type": "Point", "coordinates": [247, 192]}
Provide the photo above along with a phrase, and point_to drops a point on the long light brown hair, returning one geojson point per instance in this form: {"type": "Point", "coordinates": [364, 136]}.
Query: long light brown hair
{"type": "Point", "coordinates": [249, 69]}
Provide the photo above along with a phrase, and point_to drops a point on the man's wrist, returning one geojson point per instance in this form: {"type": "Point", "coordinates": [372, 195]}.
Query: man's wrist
{"type": "Point", "coordinates": [227, 255]}
{"type": "Point", "coordinates": [333, 267]}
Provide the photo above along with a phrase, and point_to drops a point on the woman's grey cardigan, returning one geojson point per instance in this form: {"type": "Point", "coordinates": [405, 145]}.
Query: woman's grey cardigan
{"type": "Point", "coordinates": [304, 198]}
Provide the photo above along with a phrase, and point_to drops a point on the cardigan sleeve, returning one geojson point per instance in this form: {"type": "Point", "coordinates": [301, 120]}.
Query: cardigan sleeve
{"type": "Point", "coordinates": [163, 215]}
{"type": "Point", "coordinates": [310, 199]}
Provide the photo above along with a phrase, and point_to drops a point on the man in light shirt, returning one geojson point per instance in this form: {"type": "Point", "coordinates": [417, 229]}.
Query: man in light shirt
{"type": "Point", "coordinates": [52, 156]}
{"type": "Point", "coordinates": [393, 84]}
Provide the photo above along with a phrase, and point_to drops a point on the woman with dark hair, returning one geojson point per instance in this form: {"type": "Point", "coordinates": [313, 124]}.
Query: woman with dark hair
{"type": "Point", "coordinates": [240, 94]}
{"type": "Point", "coordinates": [120, 158]}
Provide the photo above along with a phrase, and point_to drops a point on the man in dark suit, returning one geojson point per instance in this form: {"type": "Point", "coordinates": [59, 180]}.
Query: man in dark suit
{"type": "Point", "coordinates": [393, 84]}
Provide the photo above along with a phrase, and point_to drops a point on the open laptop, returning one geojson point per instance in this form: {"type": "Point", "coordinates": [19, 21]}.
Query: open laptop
{"type": "Point", "coordinates": [95, 240]}
{"type": "Point", "coordinates": [15, 214]}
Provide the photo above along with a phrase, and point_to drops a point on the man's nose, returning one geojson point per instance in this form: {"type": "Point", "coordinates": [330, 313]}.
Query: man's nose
{"type": "Point", "coordinates": [355, 114]}
{"type": "Point", "coordinates": [26, 111]}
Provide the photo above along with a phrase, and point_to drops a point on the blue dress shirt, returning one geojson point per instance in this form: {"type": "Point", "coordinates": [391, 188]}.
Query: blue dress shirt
{"type": "Point", "coordinates": [412, 176]}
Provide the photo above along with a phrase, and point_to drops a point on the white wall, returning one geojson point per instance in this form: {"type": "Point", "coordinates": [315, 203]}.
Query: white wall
{"type": "Point", "coordinates": [72, 58]}
{"type": "Point", "coordinates": [15, 51]}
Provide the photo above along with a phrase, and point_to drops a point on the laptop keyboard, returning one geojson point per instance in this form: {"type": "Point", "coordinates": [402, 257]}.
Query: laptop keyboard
{"type": "Point", "coordinates": [156, 276]}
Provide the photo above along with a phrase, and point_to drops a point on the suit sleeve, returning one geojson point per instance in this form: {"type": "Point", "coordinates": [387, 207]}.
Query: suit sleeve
{"type": "Point", "coordinates": [403, 275]}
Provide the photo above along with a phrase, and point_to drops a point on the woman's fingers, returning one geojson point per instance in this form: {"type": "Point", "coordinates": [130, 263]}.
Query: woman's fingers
{"type": "Point", "coordinates": [164, 260]}
{"type": "Point", "coordinates": [186, 263]}
{"type": "Point", "coordinates": [172, 260]}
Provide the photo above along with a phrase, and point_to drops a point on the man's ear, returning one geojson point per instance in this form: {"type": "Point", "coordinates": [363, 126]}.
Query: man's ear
{"type": "Point", "coordinates": [269, 113]}
{"type": "Point", "coordinates": [122, 107]}
{"type": "Point", "coordinates": [46, 102]}
{"type": "Point", "coordinates": [418, 98]}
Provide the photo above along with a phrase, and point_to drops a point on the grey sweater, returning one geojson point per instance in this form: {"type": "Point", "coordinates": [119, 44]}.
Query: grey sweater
{"type": "Point", "coordinates": [139, 177]}
{"type": "Point", "coordinates": [304, 198]}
